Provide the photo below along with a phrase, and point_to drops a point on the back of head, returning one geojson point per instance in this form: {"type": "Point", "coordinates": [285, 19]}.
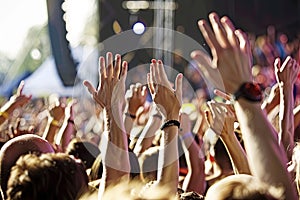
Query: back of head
{"type": "Point", "coordinates": [48, 176]}
{"type": "Point", "coordinates": [84, 150]}
{"type": "Point", "coordinates": [243, 187]}
{"type": "Point", "coordinates": [14, 148]}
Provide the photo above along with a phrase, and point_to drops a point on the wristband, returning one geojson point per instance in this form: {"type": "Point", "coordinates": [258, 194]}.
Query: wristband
{"type": "Point", "coordinates": [130, 115]}
{"type": "Point", "coordinates": [4, 114]}
{"type": "Point", "coordinates": [169, 123]}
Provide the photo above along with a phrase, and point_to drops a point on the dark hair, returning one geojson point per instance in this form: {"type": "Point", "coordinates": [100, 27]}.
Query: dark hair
{"type": "Point", "coordinates": [16, 147]}
{"type": "Point", "coordinates": [84, 150]}
{"type": "Point", "coordinates": [48, 176]}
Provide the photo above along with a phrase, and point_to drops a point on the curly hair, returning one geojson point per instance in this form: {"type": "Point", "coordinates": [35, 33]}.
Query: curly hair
{"type": "Point", "coordinates": [48, 176]}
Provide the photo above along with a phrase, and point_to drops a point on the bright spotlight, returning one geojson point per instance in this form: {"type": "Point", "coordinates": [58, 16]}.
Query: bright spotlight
{"type": "Point", "coordinates": [138, 28]}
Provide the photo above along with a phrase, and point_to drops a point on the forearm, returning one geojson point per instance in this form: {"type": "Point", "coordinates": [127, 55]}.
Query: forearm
{"type": "Point", "coordinates": [262, 147]}
{"type": "Point", "coordinates": [268, 106]}
{"type": "Point", "coordinates": [6, 110]}
{"type": "Point", "coordinates": [114, 148]}
{"type": "Point", "coordinates": [236, 153]}
{"type": "Point", "coordinates": [286, 119]}
{"type": "Point", "coordinates": [195, 179]}
{"type": "Point", "coordinates": [168, 165]}
{"type": "Point", "coordinates": [65, 134]}
{"type": "Point", "coordinates": [50, 131]}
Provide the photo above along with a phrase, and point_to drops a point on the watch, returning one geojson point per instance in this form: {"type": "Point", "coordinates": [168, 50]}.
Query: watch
{"type": "Point", "coordinates": [249, 91]}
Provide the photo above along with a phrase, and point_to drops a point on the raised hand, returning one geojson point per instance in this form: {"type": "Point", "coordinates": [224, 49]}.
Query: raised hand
{"type": "Point", "coordinates": [231, 53]}
{"type": "Point", "coordinates": [220, 117]}
{"type": "Point", "coordinates": [111, 88]}
{"type": "Point", "coordinates": [17, 131]}
{"type": "Point", "coordinates": [286, 73]}
{"type": "Point", "coordinates": [17, 100]}
{"type": "Point", "coordinates": [57, 111]}
{"type": "Point", "coordinates": [136, 97]}
{"type": "Point", "coordinates": [167, 99]}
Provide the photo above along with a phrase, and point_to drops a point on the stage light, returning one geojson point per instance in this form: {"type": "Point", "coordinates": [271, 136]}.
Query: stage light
{"type": "Point", "coordinates": [138, 28]}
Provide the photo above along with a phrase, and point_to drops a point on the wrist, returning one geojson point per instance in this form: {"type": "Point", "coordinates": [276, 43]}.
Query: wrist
{"type": "Point", "coordinates": [170, 123]}
{"type": "Point", "coordinates": [172, 116]}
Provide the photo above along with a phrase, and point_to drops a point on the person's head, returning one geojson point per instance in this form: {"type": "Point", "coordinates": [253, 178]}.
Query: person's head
{"type": "Point", "coordinates": [97, 167]}
{"type": "Point", "coordinates": [16, 147]}
{"type": "Point", "coordinates": [84, 150]}
{"type": "Point", "coordinates": [243, 187]}
{"type": "Point", "coordinates": [48, 176]}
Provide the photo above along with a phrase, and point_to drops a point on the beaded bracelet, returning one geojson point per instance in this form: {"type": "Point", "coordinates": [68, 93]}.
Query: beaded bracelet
{"type": "Point", "coordinates": [169, 123]}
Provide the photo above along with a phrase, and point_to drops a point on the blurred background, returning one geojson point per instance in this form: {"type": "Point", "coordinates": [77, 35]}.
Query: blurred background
{"type": "Point", "coordinates": [48, 43]}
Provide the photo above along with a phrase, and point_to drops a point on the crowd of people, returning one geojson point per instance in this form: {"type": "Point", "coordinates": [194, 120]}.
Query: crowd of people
{"type": "Point", "coordinates": [243, 144]}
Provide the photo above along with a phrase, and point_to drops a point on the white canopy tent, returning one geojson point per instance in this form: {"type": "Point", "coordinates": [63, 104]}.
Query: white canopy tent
{"type": "Point", "coordinates": [46, 81]}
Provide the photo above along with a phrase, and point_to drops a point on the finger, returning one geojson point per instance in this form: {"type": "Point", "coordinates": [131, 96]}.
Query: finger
{"type": "Point", "coordinates": [209, 37]}
{"type": "Point", "coordinates": [152, 78]}
{"type": "Point", "coordinates": [18, 124]}
{"type": "Point", "coordinates": [243, 40]}
{"type": "Point", "coordinates": [124, 71]}
{"type": "Point", "coordinates": [138, 89]}
{"type": "Point", "coordinates": [117, 67]}
{"type": "Point", "coordinates": [144, 91]}
{"type": "Point", "coordinates": [162, 72]}
{"type": "Point", "coordinates": [102, 70]}
{"type": "Point", "coordinates": [229, 28]}
{"type": "Point", "coordinates": [209, 113]}
{"type": "Point", "coordinates": [150, 83]}
{"type": "Point", "coordinates": [109, 63]}
{"type": "Point", "coordinates": [90, 87]}
{"type": "Point", "coordinates": [220, 33]}
{"type": "Point", "coordinates": [285, 63]}
{"type": "Point", "coordinates": [296, 66]}
{"type": "Point", "coordinates": [178, 87]}
{"type": "Point", "coordinates": [157, 78]}
{"type": "Point", "coordinates": [20, 88]}
{"type": "Point", "coordinates": [222, 94]}
{"type": "Point", "coordinates": [11, 132]}
{"type": "Point", "coordinates": [277, 64]}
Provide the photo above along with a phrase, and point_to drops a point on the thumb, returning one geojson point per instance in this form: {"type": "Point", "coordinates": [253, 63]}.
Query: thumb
{"type": "Point", "coordinates": [178, 87]}
{"type": "Point", "coordinates": [89, 86]}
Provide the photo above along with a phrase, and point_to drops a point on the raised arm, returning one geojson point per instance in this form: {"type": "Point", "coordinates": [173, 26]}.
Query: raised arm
{"type": "Point", "coordinates": [195, 179]}
{"type": "Point", "coordinates": [15, 101]}
{"type": "Point", "coordinates": [110, 95]}
{"type": "Point", "coordinates": [286, 74]}
{"type": "Point", "coordinates": [135, 98]}
{"type": "Point", "coordinates": [169, 103]}
{"type": "Point", "coordinates": [221, 118]}
{"type": "Point", "coordinates": [232, 58]}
